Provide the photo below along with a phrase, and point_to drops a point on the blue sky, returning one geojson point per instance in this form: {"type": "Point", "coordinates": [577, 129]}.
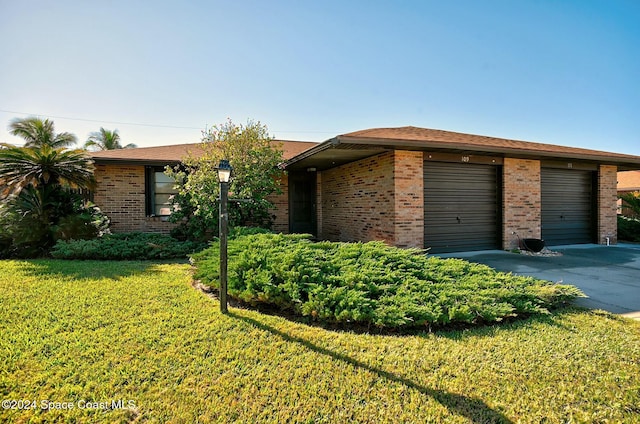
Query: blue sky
{"type": "Point", "coordinates": [559, 72]}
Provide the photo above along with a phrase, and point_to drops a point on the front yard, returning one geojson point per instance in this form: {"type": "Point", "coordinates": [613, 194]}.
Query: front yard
{"type": "Point", "coordinates": [133, 341]}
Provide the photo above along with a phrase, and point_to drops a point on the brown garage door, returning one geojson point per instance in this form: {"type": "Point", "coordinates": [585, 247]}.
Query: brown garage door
{"type": "Point", "coordinates": [461, 206]}
{"type": "Point", "coordinates": [567, 206]}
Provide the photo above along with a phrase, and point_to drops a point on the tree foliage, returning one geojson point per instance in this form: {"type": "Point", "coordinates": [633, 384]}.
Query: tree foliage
{"type": "Point", "coordinates": [38, 204]}
{"type": "Point", "coordinates": [106, 140]}
{"type": "Point", "coordinates": [38, 133]}
{"type": "Point", "coordinates": [255, 159]}
{"type": "Point", "coordinates": [32, 221]}
{"type": "Point", "coordinates": [21, 167]}
{"type": "Point", "coordinates": [631, 203]}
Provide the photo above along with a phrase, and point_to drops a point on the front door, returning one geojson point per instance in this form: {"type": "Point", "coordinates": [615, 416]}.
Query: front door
{"type": "Point", "coordinates": [302, 202]}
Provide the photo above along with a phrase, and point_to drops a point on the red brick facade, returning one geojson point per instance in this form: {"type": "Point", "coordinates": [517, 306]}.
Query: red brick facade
{"type": "Point", "coordinates": [408, 199]}
{"type": "Point", "coordinates": [379, 197]}
{"type": "Point", "coordinates": [521, 201]}
{"type": "Point", "coordinates": [382, 198]}
{"type": "Point", "coordinates": [357, 200]}
{"type": "Point", "coordinates": [607, 204]}
{"type": "Point", "coordinates": [120, 194]}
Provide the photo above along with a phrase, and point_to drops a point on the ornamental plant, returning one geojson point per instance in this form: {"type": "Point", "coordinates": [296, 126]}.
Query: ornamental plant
{"type": "Point", "coordinates": [373, 284]}
{"type": "Point", "coordinates": [255, 159]}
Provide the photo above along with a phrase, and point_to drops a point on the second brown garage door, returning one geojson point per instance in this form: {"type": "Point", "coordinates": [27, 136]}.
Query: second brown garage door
{"type": "Point", "coordinates": [461, 206]}
{"type": "Point", "coordinates": [567, 206]}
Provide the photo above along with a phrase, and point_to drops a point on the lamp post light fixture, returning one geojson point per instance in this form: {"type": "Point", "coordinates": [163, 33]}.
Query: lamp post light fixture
{"type": "Point", "coordinates": [224, 177]}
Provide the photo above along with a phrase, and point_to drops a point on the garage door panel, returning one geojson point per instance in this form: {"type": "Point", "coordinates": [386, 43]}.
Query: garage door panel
{"type": "Point", "coordinates": [567, 206]}
{"type": "Point", "coordinates": [461, 206]}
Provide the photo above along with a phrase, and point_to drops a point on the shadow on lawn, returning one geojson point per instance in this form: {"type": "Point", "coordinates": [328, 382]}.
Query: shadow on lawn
{"type": "Point", "coordinates": [553, 319]}
{"type": "Point", "coordinates": [474, 409]}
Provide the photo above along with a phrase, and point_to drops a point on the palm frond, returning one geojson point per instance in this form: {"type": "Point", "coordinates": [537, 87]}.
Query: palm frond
{"type": "Point", "coordinates": [28, 166]}
{"type": "Point", "coordinates": [37, 133]}
{"type": "Point", "coordinates": [104, 140]}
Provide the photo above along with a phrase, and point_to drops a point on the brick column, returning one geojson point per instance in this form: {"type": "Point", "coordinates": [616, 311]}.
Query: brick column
{"type": "Point", "coordinates": [607, 204]}
{"type": "Point", "coordinates": [522, 201]}
{"type": "Point", "coordinates": [409, 199]}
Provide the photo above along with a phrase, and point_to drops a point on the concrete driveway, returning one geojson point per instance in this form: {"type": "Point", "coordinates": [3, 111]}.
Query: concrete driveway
{"type": "Point", "coordinates": [610, 276]}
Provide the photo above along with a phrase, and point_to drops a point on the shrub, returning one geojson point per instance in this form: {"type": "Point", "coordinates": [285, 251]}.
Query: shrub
{"type": "Point", "coordinates": [255, 159]}
{"type": "Point", "coordinates": [31, 222]}
{"type": "Point", "coordinates": [124, 246]}
{"type": "Point", "coordinates": [372, 283]}
{"type": "Point", "coordinates": [628, 228]}
{"type": "Point", "coordinates": [631, 204]}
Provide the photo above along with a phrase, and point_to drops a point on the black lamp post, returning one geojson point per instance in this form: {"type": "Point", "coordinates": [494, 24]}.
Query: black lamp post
{"type": "Point", "coordinates": [224, 176]}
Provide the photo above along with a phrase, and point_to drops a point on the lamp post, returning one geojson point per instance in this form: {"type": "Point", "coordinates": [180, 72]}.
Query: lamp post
{"type": "Point", "coordinates": [224, 176]}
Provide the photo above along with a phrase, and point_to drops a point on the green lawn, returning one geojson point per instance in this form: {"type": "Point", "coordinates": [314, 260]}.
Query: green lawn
{"type": "Point", "coordinates": [89, 333]}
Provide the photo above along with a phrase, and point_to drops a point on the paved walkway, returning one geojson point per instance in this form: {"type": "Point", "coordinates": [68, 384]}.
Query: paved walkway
{"type": "Point", "coordinates": [610, 276]}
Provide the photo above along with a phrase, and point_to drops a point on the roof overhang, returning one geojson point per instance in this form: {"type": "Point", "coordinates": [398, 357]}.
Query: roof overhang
{"type": "Point", "coordinates": [135, 162]}
{"type": "Point", "coordinates": [344, 149]}
{"type": "Point", "coordinates": [330, 154]}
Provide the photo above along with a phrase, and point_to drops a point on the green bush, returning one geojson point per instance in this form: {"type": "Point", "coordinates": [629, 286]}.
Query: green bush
{"type": "Point", "coordinates": [33, 221]}
{"type": "Point", "coordinates": [124, 246]}
{"type": "Point", "coordinates": [372, 283]}
{"type": "Point", "coordinates": [628, 228]}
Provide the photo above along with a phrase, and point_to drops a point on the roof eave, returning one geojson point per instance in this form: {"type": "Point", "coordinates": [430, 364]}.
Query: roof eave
{"type": "Point", "coordinates": [626, 163]}
{"type": "Point", "coordinates": [332, 142]}
{"type": "Point", "coordinates": [130, 161]}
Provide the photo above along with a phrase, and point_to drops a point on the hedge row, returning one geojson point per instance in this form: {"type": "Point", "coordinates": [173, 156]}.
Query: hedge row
{"type": "Point", "coordinates": [126, 246]}
{"type": "Point", "coordinates": [628, 229]}
{"type": "Point", "coordinates": [372, 283]}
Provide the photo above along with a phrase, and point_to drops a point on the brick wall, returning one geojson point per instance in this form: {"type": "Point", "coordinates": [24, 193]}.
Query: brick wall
{"type": "Point", "coordinates": [120, 194]}
{"type": "Point", "coordinates": [521, 201]}
{"type": "Point", "coordinates": [607, 204]}
{"type": "Point", "coordinates": [377, 198]}
{"type": "Point", "coordinates": [409, 199]}
{"type": "Point", "coordinates": [357, 200]}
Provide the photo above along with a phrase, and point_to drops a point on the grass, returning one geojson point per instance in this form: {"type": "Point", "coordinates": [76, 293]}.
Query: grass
{"type": "Point", "coordinates": [138, 331]}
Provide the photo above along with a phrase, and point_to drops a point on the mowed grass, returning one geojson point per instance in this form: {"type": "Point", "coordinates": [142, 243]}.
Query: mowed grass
{"type": "Point", "coordinates": [85, 332]}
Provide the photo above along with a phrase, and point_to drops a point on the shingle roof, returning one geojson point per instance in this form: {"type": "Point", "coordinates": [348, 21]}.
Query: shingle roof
{"type": "Point", "coordinates": [175, 152]}
{"type": "Point", "coordinates": [461, 140]}
{"type": "Point", "coordinates": [360, 144]}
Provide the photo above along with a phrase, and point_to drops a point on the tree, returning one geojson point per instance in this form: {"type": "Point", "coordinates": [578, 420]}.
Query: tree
{"type": "Point", "coordinates": [39, 133]}
{"type": "Point", "coordinates": [255, 159]}
{"type": "Point", "coordinates": [37, 203]}
{"type": "Point", "coordinates": [106, 140]}
{"type": "Point", "coordinates": [39, 167]}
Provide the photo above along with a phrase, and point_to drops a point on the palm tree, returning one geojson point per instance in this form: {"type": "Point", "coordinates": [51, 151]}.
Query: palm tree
{"type": "Point", "coordinates": [38, 133]}
{"type": "Point", "coordinates": [106, 140]}
{"type": "Point", "coordinates": [34, 187]}
{"type": "Point", "coordinates": [21, 167]}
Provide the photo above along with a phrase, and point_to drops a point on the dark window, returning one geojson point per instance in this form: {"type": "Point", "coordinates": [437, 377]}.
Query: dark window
{"type": "Point", "coordinates": [160, 189]}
